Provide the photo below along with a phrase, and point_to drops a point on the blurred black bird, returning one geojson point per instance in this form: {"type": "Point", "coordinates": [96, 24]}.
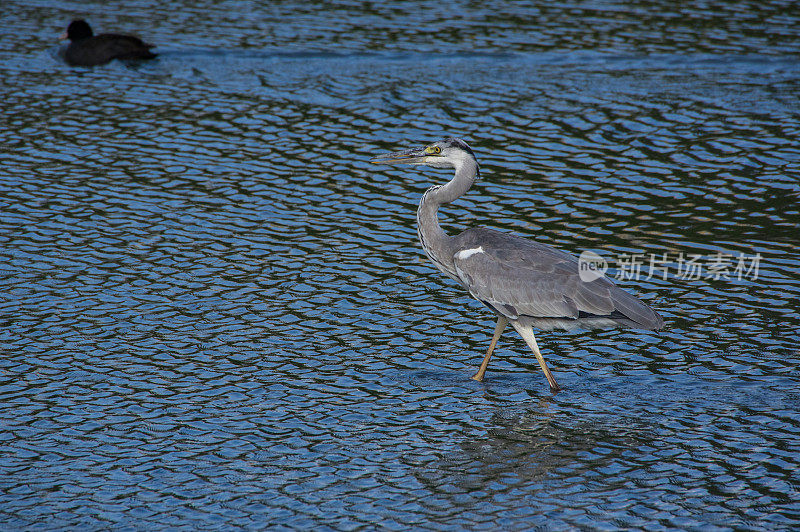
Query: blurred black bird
{"type": "Point", "coordinates": [87, 49]}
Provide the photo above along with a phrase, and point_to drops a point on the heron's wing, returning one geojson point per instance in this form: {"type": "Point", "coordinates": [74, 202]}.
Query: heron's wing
{"type": "Point", "coordinates": [519, 277]}
{"type": "Point", "coordinates": [518, 281]}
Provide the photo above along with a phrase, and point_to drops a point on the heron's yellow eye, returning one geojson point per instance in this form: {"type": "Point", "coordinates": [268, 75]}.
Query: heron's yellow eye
{"type": "Point", "coordinates": [433, 150]}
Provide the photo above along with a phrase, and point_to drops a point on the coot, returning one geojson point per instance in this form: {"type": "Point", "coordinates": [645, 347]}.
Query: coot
{"type": "Point", "coordinates": [87, 49]}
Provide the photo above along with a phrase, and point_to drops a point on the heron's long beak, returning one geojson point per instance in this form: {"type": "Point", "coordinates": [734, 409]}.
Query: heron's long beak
{"type": "Point", "coordinates": [415, 156]}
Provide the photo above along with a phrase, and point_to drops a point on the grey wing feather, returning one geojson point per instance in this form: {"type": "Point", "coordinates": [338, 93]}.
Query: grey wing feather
{"type": "Point", "coordinates": [518, 277]}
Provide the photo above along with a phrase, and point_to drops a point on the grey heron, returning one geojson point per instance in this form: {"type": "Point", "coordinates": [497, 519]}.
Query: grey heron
{"type": "Point", "coordinates": [525, 283]}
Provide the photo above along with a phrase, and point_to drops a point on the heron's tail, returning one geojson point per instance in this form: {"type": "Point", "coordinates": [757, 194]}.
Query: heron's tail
{"type": "Point", "coordinates": [635, 311]}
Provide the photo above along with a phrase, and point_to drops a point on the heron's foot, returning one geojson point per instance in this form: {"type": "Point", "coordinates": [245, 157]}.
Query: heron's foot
{"type": "Point", "coordinates": [555, 389]}
{"type": "Point", "coordinates": [477, 377]}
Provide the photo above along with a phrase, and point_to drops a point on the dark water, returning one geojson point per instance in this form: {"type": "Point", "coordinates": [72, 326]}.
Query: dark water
{"type": "Point", "coordinates": [215, 312]}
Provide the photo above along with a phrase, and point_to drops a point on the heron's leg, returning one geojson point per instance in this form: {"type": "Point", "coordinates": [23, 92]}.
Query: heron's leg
{"type": "Point", "coordinates": [530, 339]}
{"type": "Point", "coordinates": [502, 321]}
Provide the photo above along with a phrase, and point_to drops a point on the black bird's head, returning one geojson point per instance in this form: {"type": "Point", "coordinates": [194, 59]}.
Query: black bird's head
{"type": "Point", "coordinates": [78, 29]}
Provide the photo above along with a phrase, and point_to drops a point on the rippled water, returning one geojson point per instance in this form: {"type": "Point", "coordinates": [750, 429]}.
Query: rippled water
{"type": "Point", "coordinates": [215, 313]}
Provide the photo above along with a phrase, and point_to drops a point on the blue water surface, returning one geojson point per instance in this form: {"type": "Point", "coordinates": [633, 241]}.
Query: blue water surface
{"type": "Point", "coordinates": [216, 314]}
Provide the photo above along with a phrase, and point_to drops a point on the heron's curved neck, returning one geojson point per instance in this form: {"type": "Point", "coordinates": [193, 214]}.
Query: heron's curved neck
{"type": "Point", "coordinates": [436, 243]}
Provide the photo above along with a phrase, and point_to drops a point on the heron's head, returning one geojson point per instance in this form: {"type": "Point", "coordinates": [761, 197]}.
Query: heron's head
{"type": "Point", "coordinates": [447, 153]}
